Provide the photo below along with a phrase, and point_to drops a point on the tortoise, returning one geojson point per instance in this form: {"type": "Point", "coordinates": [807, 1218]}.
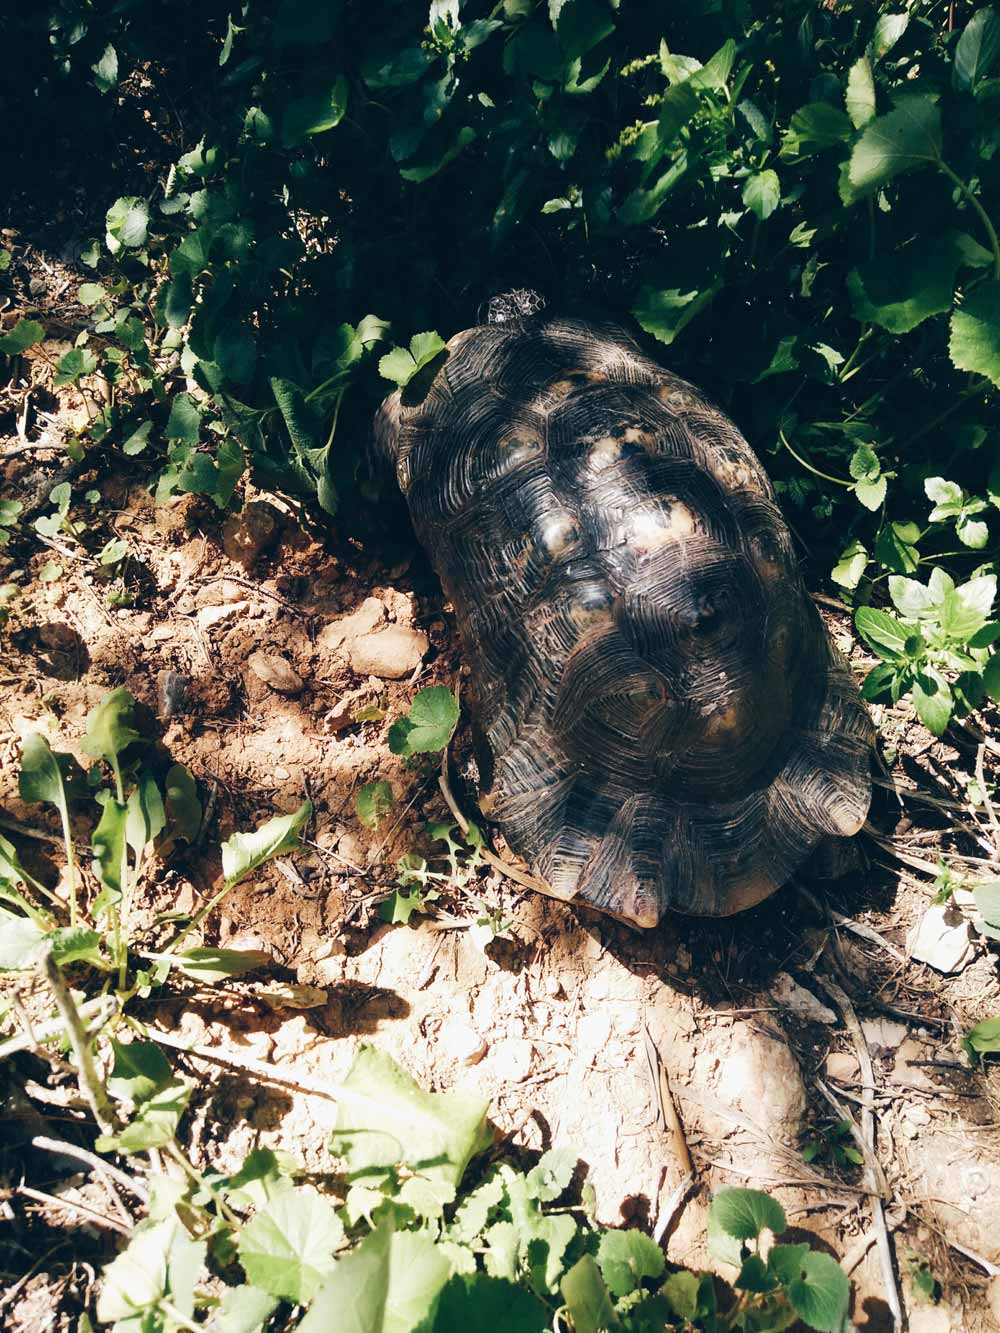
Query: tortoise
{"type": "Point", "coordinates": [660, 720]}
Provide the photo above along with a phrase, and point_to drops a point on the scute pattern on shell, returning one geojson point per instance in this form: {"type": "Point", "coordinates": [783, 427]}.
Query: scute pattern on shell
{"type": "Point", "coordinates": [661, 720]}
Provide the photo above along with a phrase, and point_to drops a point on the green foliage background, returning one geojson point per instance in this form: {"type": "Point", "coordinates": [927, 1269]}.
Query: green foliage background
{"type": "Point", "coordinates": [795, 200]}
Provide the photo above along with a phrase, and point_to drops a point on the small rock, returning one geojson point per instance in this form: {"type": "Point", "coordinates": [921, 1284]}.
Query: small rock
{"type": "Point", "coordinates": [787, 991]}
{"type": "Point", "coordinates": [171, 687]}
{"type": "Point", "coordinates": [463, 1043]}
{"type": "Point", "coordinates": [511, 1060]}
{"type": "Point", "coordinates": [162, 632]}
{"type": "Point", "coordinates": [248, 534]}
{"type": "Point", "coordinates": [883, 1034]}
{"type": "Point", "coordinates": [930, 1319]}
{"type": "Point", "coordinates": [392, 652]}
{"type": "Point", "coordinates": [369, 614]}
{"type": "Point", "coordinates": [214, 615]}
{"type": "Point", "coordinates": [275, 671]}
{"type": "Point", "coordinates": [842, 1065]}
{"type": "Point", "coordinates": [58, 637]}
{"type": "Point", "coordinates": [761, 1077]}
{"type": "Point", "coordinates": [943, 938]}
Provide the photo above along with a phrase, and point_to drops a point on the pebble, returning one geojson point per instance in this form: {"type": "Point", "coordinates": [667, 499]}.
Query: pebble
{"type": "Point", "coordinates": [276, 672]}
{"type": "Point", "coordinates": [248, 534]}
{"type": "Point", "coordinates": [369, 614]}
{"type": "Point", "coordinates": [171, 688]}
{"type": "Point", "coordinates": [788, 993]}
{"type": "Point", "coordinates": [214, 615]}
{"type": "Point", "coordinates": [391, 653]}
{"type": "Point", "coordinates": [883, 1034]}
{"type": "Point", "coordinates": [943, 938]}
{"type": "Point", "coordinates": [463, 1043]}
{"type": "Point", "coordinates": [842, 1065]}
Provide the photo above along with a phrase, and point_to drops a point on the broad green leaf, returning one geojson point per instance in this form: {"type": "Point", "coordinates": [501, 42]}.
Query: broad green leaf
{"type": "Point", "coordinates": [287, 1247]}
{"type": "Point", "coordinates": [665, 313]}
{"type": "Point", "coordinates": [243, 1310]}
{"type": "Point", "coordinates": [753, 1276]}
{"type": "Point", "coordinates": [109, 842]}
{"type": "Point", "coordinates": [76, 944]}
{"type": "Point", "coordinates": [901, 290]}
{"type": "Point", "coordinates": [975, 332]}
{"type": "Point", "coordinates": [543, 1239]}
{"type": "Point", "coordinates": [184, 422]}
{"type": "Point", "coordinates": [864, 463]}
{"type": "Point", "coordinates": [814, 128]}
{"type": "Point", "coordinates": [156, 1265]}
{"type": "Point", "coordinates": [681, 1291]}
{"type": "Point", "coordinates": [881, 631]}
{"type": "Point", "coordinates": [244, 853]}
{"type": "Point", "coordinates": [138, 440]}
{"type": "Point", "coordinates": [373, 802]}
{"type": "Point", "coordinates": [127, 224]}
{"type": "Point", "coordinates": [74, 363]}
{"type": "Point", "coordinates": [818, 1289]}
{"type": "Point", "coordinates": [933, 701]}
{"type": "Point", "coordinates": [478, 1303]}
{"type": "Point", "coordinates": [315, 112]}
{"type": "Point", "coordinates": [472, 1213]}
{"type": "Point", "coordinates": [984, 1038]}
{"type": "Point", "coordinates": [860, 97]}
{"type": "Point", "coordinates": [967, 608]}
{"type": "Point", "coordinates": [25, 333]}
{"type": "Point", "coordinates": [987, 898]}
{"type": "Point", "coordinates": [154, 1124]}
{"type": "Point", "coordinates": [90, 293]}
{"type": "Point", "coordinates": [145, 818]}
{"type": "Point", "coordinates": [626, 1258]}
{"type": "Point", "coordinates": [587, 1298]}
{"type": "Point", "coordinates": [871, 493]}
{"type": "Point", "coordinates": [744, 1214]}
{"type": "Point", "coordinates": [106, 69]}
{"type": "Point", "coordinates": [174, 302]}
{"type": "Point", "coordinates": [48, 775]}
{"type": "Point", "coordinates": [851, 565]}
{"type": "Point", "coordinates": [947, 497]}
{"type": "Point", "coordinates": [429, 724]}
{"type": "Point", "coordinates": [991, 677]}
{"type": "Point", "coordinates": [888, 30]}
{"type": "Point", "coordinates": [391, 1283]}
{"type": "Point", "coordinates": [762, 193]}
{"type": "Point", "coordinates": [423, 171]}
{"type": "Point", "coordinates": [401, 365]}
{"type": "Point", "coordinates": [110, 728]}
{"type": "Point", "coordinates": [896, 547]}
{"type": "Point", "coordinates": [181, 805]}
{"type": "Point", "coordinates": [910, 598]}
{"type": "Point", "coordinates": [552, 1175]}
{"type": "Point", "coordinates": [977, 49]}
{"type": "Point", "coordinates": [907, 138]}
{"type": "Point", "coordinates": [140, 1071]}
{"type": "Point", "coordinates": [390, 1119]}
{"type": "Point", "coordinates": [20, 939]}
{"type": "Point", "coordinates": [217, 964]}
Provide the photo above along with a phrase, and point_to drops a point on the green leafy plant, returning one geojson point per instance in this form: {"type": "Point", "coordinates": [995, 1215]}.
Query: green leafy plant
{"type": "Point", "coordinates": [938, 648]}
{"type": "Point", "coordinates": [833, 1143]}
{"type": "Point", "coordinates": [414, 1235]}
{"type": "Point", "coordinates": [428, 725]}
{"type": "Point", "coordinates": [983, 1039]}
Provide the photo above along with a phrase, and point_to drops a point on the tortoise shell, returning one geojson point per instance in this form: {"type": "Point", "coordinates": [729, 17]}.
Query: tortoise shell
{"type": "Point", "coordinates": [661, 721]}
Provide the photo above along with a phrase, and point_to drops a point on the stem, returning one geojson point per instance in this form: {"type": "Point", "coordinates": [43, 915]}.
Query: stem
{"type": "Point", "coordinates": [90, 1084]}
{"type": "Point", "coordinates": [984, 217]}
{"type": "Point", "coordinates": [70, 860]}
{"type": "Point", "coordinates": [198, 918]}
{"type": "Point", "coordinates": [838, 481]}
{"type": "Point", "coordinates": [845, 368]}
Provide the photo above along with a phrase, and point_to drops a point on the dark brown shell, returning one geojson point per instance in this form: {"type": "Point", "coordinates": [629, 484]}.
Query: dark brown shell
{"type": "Point", "coordinates": [661, 719]}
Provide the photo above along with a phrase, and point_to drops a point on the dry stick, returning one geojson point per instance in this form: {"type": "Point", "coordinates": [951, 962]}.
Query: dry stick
{"type": "Point", "coordinates": [669, 1121]}
{"type": "Point", "coordinates": [505, 868]}
{"type": "Point", "coordinates": [846, 1008]}
{"type": "Point", "coordinates": [844, 1112]}
{"type": "Point", "coordinates": [103, 1006]}
{"type": "Point", "coordinates": [91, 1214]}
{"type": "Point", "coordinates": [65, 1149]}
{"type": "Point", "coordinates": [90, 1083]}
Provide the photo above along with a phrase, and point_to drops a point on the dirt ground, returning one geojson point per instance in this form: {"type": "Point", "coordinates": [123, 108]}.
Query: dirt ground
{"type": "Point", "coordinates": [764, 1022]}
